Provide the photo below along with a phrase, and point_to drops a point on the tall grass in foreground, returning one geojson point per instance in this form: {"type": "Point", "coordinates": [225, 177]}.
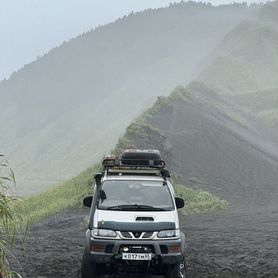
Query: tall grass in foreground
{"type": "Point", "coordinates": [11, 220]}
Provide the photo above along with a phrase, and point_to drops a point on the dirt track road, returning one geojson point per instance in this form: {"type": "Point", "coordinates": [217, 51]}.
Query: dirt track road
{"type": "Point", "coordinates": [233, 244]}
{"type": "Point", "coordinates": [226, 244]}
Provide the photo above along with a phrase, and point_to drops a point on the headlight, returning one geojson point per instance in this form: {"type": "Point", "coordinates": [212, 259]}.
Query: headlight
{"type": "Point", "coordinates": [169, 233]}
{"type": "Point", "coordinates": [103, 233]}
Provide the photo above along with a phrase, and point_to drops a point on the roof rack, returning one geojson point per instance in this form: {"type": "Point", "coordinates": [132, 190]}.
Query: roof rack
{"type": "Point", "coordinates": [131, 171]}
{"type": "Point", "coordinates": [136, 162]}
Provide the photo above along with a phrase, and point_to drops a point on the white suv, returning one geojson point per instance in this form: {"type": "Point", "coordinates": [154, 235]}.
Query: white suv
{"type": "Point", "coordinates": [134, 225]}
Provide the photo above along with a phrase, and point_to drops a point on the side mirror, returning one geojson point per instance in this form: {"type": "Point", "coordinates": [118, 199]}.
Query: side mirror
{"type": "Point", "coordinates": [98, 179]}
{"type": "Point", "coordinates": [179, 202]}
{"type": "Point", "coordinates": [87, 201]}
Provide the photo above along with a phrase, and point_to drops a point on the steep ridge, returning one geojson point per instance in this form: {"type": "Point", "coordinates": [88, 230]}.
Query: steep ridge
{"type": "Point", "coordinates": [61, 113]}
{"type": "Point", "coordinates": [207, 143]}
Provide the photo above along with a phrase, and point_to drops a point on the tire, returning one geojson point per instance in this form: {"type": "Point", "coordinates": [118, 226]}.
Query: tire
{"type": "Point", "coordinates": [176, 270]}
{"type": "Point", "coordinates": [88, 268]}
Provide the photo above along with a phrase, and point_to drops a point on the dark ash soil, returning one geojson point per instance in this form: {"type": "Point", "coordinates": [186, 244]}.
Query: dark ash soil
{"type": "Point", "coordinates": [218, 245]}
{"type": "Point", "coordinates": [233, 245]}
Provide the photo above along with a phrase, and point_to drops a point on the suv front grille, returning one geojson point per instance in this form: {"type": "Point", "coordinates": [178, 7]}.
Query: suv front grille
{"type": "Point", "coordinates": [136, 235]}
{"type": "Point", "coordinates": [126, 235]}
{"type": "Point", "coordinates": [147, 235]}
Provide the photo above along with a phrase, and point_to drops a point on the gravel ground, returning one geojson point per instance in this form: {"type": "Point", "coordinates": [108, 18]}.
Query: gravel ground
{"type": "Point", "coordinates": [227, 244]}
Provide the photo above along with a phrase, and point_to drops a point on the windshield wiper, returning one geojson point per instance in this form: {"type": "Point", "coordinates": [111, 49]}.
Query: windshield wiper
{"type": "Point", "coordinates": [135, 207]}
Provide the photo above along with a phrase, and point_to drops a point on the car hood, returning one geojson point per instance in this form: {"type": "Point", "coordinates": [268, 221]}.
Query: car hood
{"type": "Point", "coordinates": [139, 220]}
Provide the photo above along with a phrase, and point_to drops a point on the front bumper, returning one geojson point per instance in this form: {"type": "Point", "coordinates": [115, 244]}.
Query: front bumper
{"type": "Point", "coordinates": [168, 251]}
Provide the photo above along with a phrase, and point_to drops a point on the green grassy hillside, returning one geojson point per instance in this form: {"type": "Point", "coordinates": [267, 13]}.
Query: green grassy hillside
{"type": "Point", "coordinates": [210, 144]}
{"type": "Point", "coordinates": [66, 195]}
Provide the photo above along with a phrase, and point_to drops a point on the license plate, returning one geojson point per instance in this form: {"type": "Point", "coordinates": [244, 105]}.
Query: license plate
{"type": "Point", "coordinates": [137, 256]}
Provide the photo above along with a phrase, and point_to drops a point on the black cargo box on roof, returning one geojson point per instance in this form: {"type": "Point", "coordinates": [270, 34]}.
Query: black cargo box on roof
{"type": "Point", "coordinates": [135, 158]}
{"type": "Point", "coordinates": [142, 157]}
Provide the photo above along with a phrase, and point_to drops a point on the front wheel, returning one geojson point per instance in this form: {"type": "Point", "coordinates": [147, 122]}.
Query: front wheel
{"type": "Point", "coordinates": [177, 270]}
{"type": "Point", "coordinates": [88, 268]}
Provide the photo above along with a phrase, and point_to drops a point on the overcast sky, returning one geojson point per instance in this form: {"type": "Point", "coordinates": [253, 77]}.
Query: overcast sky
{"type": "Point", "coordinates": [29, 28]}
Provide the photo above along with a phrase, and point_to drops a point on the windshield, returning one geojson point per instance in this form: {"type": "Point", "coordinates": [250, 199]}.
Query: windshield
{"type": "Point", "coordinates": [135, 195]}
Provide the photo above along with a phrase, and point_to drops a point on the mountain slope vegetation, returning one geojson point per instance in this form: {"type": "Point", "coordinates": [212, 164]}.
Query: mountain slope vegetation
{"type": "Point", "coordinates": [263, 103]}
{"type": "Point", "coordinates": [61, 113]}
{"type": "Point", "coordinates": [246, 60]}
